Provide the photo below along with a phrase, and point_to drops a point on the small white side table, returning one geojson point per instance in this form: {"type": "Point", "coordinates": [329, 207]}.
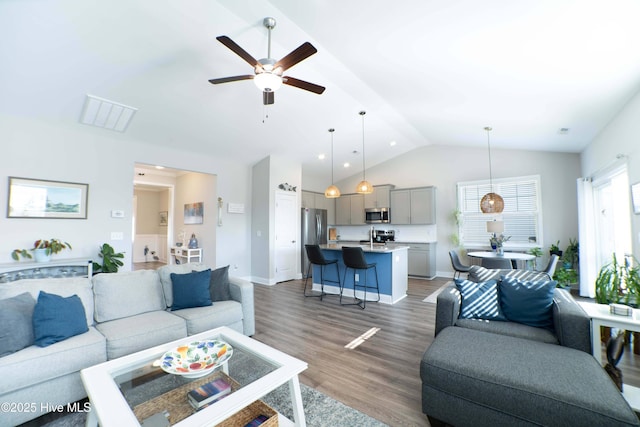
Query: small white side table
{"type": "Point", "coordinates": [600, 316]}
{"type": "Point", "coordinates": [185, 255]}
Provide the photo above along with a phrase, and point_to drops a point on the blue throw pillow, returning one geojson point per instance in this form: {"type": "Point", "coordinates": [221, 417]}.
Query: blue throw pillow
{"type": "Point", "coordinates": [191, 289]}
{"type": "Point", "coordinates": [16, 323]}
{"type": "Point", "coordinates": [56, 318]}
{"type": "Point", "coordinates": [479, 300]}
{"type": "Point", "coordinates": [528, 302]}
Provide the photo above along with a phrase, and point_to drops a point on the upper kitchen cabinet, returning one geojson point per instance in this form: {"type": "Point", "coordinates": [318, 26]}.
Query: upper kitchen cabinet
{"type": "Point", "coordinates": [350, 209]}
{"type": "Point", "coordinates": [413, 206]}
{"type": "Point", "coordinates": [313, 200]}
{"type": "Point", "coordinates": [379, 198]}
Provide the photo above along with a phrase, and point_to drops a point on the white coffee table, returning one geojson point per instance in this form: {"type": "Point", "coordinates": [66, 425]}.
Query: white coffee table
{"type": "Point", "coordinates": [106, 383]}
{"type": "Point", "coordinates": [601, 316]}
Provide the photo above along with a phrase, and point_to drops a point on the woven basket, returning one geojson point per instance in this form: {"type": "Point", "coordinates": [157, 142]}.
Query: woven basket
{"type": "Point", "coordinates": [249, 413]}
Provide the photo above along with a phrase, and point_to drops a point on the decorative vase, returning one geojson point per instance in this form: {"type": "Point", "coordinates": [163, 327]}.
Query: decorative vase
{"type": "Point", "coordinates": [500, 250]}
{"type": "Point", "coordinates": [193, 242]}
{"type": "Point", "coordinates": [41, 255]}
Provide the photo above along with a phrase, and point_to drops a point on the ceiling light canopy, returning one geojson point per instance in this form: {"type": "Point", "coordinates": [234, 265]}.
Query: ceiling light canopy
{"type": "Point", "coordinates": [364, 187]}
{"type": "Point", "coordinates": [491, 202]}
{"type": "Point", "coordinates": [332, 191]}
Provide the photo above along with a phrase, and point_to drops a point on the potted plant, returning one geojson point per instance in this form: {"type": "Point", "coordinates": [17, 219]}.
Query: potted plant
{"type": "Point", "coordinates": [110, 260]}
{"type": "Point", "coordinates": [565, 277]}
{"type": "Point", "coordinates": [619, 282]}
{"type": "Point", "coordinates": [537, 253]}
{"type": "Point", "coordinates": [571, 254]}
{"type": "Point", "coordinates": [42, 250]}
{"type": "Point", "coordinates": [554, 249]}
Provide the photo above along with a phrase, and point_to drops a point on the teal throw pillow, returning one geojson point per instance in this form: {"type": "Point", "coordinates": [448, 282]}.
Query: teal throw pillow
{"type": "Point", "coordinates": [191, 289]}
{"type": "Point", "coordinates": [479, 300]}
{"type": "Point", "coordinates": [16, 323]}
{"type": "Point", "coordinates": [528, 302]}
{"type": "Point", "coordinates": [219, 285]}
{"type": "Point", "coordinates": [56, 318]}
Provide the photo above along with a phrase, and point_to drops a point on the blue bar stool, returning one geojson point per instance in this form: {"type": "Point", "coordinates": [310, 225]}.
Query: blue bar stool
{"type": "Point", "coordinates": [353, 257]}
{"type": "Point", "coordinates": [314, 254]}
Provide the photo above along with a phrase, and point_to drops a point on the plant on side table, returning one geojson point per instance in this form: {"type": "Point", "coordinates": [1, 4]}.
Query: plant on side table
{"type": "Point", "coordinates": [42, 250]}
{"type": "Point", "coordinates": [110, 260]}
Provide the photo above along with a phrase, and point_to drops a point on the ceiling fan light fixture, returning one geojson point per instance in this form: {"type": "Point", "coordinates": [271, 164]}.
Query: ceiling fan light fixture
{"type": "Point", "coordinates": [332, 192]}
{"type": "Point", "coordinates": [268, 82]}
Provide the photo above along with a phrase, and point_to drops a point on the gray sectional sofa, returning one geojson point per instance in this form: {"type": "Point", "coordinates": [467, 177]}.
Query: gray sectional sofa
{"type": "Point", "coordinates": [480, 372]}
{"type": "Point", "coordinates": [125, 312]}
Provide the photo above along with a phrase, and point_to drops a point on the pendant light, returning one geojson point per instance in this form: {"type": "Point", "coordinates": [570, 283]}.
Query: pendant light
{"type": "Point", "coordinates": [332, 191]}
{"type": "Point", "coordinates": [491, 202]}
{"type": "Point", "coordinates": [363, 187]}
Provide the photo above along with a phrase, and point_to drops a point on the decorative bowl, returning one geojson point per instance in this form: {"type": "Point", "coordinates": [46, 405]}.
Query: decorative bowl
{"type": "Point", "coordinates": [179, 244]}
{"type": "Point", "coordinates": [196, 359]}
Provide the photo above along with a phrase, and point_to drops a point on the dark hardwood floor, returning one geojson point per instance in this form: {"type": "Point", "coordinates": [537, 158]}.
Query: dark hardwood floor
{"type": "Point", "coordinates": [381, 376]}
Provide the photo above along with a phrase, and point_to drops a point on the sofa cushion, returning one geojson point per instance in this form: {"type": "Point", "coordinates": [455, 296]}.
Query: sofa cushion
{"type": "Point", "coordinates": [16, 323]}
{"type": "Point", "coordinates": [200, 319]}
{"type": "Point", "coordinates": [511, 329]}
{"type": "Point", "coordinates": [191, 289]}
{"type": "Point", "coordinates": [34, 365]}
{"type": "Point", "coordinates": [64, 287]}
{"type": "Point", "coordinates": [528, 302]}
{"type": "Point", "coordinates": [219, 286]}
{"type": "Point", "coordinates": [165, 277]}
{"type": "Point", "coordinates": [130, 334]}
{"type": "Point", "coordinates": [479, 300]}
{"type": "Point", "coordinates": [57, 318]}
{"type": "Point", "coordinates": [120, 295]}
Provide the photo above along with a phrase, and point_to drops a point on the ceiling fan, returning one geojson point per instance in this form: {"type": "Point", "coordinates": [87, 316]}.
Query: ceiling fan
{"type": "Point", "coordinates": [267, 71]}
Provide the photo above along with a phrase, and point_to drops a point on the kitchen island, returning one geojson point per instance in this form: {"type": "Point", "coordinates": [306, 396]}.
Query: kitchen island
{"type": "Point", "coordinates": [391, 261]}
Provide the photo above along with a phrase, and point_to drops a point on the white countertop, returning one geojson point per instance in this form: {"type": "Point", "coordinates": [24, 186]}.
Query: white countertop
{"type": "Point", "coordinates": [377, 248]}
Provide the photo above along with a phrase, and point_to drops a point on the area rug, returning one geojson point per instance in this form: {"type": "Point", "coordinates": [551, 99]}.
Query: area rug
{"type": "Point", "coordinates": [432, 299]}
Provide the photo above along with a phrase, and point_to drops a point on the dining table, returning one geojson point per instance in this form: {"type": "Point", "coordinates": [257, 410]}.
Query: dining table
{"type": "Point", "coordinates": [514, 257]}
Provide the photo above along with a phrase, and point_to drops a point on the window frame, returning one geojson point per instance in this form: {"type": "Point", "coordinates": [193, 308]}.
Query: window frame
{"type": "Point", "coordinates": [497, 183]}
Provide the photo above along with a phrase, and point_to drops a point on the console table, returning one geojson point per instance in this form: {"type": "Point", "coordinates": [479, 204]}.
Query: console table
{"type": "Point", "coordinates": [70, 267]}
{"type": "Point", "coordinates": [182, 255]}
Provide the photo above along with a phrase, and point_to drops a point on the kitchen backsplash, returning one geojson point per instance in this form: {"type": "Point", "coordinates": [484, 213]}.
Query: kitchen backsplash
{"type": "Point", "coordinates": [403, 233]}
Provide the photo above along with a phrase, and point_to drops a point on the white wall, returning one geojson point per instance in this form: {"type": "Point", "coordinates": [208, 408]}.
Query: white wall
{"type": "Point", "coordinates": [105, 160]}
{"type": "Point", "coordinates": [621, 136]}
{"type": "Point", "coordinates": [444, 166]}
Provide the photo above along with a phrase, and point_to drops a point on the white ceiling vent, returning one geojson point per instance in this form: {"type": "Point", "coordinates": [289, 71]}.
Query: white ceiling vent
{"type": "Point", "coordinates": [106, 114]}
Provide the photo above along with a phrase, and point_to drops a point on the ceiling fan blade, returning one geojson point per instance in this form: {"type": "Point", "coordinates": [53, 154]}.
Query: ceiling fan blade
{"type": "Point", "coordinates": [311, 87]}
{"type": "Point", "coordinates": [231, 79]}
{"type": "Point", "coordinates": [238, 50]}
{"type": "Point", "coordinates": [304, 51]}
{"type": "Point", "coordinates": [268, 98]}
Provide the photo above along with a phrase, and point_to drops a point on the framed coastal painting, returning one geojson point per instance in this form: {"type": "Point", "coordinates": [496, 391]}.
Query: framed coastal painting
{"type": "Point", "coordinates": [39, 198]}
{"type": "Point", "coordinates": [164, 218]}
{"type": "Point", "coordinates": [194, 213]}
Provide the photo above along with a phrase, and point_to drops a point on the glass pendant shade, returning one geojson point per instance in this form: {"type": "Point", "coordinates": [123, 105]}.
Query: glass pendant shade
{"type": "Point", "coordinates": [364, 187]}
{"type": "Point", "coordinates": [332, 192]}
{"type": "Point", "coordinates": [268, 81]}
{"type": "Point", "coordinates": [491, 202]}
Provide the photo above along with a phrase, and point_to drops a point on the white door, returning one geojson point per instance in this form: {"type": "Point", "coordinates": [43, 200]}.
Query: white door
{"type": "Point", "coordinates": [287, 230]}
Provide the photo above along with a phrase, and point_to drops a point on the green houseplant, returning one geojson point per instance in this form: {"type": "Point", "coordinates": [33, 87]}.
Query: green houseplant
{"type": "Point", "coordinates": [43, 246]}
{"type": "Point", "coordinates": [554, 249]}
{"type": "Point", "coordinates": [619, 282]}
{"type": "Point", "coordinates": [110, 260]}
{"type": "Point", "coordinates": [571, 254]}
{"type": "Point", "coordinates": [537, 253]}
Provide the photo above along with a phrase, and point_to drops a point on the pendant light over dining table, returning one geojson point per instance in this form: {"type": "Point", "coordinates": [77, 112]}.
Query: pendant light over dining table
{"type": "Point", "coordinates": [363, 186]}
{"type": "Point", "coordinates": [332, 191]}
{"type": "Point", "coordinates": [491, 202]}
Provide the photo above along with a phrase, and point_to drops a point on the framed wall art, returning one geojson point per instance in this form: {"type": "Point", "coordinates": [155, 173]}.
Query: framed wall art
{"type": "Point", "coordinates": [194, 213]}
{"type": "Point", "coordinates": [164, 218]}
{"type": "Point", "coordinates": [39, 198]}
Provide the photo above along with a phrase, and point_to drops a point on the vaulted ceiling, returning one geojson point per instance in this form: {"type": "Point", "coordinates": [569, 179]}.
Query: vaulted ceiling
{"type": "Point", "coordinates": [426, 72]}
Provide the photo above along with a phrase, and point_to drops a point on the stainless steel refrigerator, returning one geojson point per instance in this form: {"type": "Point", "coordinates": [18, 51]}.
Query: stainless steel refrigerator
{"type": "Point", "coordinates": [314, 232]}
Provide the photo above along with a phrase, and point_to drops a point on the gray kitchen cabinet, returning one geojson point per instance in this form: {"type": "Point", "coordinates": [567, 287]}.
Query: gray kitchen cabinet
{"type": "Point", "coordinates": [422, 260]}
{"type": "Point", "coordinates": [413, 206]}
{"type": "Point", "coordinates": [308, 199]}
{"type": "Point", "coordinates": [379, 198]}
{"type": "Point", "coordinates": [313, 200]}
{"type": "Point", "coordinates": [350, 209]}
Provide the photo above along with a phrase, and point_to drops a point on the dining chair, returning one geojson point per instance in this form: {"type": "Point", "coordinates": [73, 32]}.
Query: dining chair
{"type": "Point", "coordinates": [457, 265]}
{"type": "Point", "coordinates": [353, 258]}
{"type": "Point", "coordinates": [315, 256]}
{"type": "Point", "coordinates": [497, 263]}
{"type": "Point", "coordinates": [550, 269]}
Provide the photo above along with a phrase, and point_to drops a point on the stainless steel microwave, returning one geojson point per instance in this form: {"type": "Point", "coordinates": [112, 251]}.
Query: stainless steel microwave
{"type": "Point", "coordinates": [377, 215]}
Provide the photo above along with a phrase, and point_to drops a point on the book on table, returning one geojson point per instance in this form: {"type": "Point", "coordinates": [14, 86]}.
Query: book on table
{"type": "Point", "coordinates": [209, 392]}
